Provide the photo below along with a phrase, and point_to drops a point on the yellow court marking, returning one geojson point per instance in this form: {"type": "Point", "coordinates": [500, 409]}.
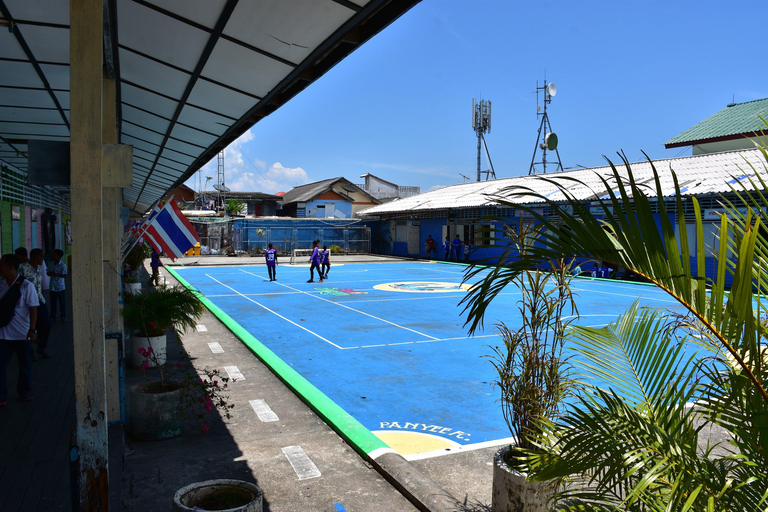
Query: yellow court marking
{"type": "Point", "coordinates": [424, 287]}
{"type": "Point", "coordinates": [410, 443]}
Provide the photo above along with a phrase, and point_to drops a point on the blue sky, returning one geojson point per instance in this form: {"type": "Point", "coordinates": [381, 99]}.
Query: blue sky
{"type": "Point", "coordinates": [630, 75]}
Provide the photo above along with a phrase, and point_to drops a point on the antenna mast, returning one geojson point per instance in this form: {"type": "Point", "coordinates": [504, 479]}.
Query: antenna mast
{"type": "Point", "coordinates": [549, 139]}
{"type": "Point", "coordinates": [220, 186]}
{"type": "Point", "coordinates": [481, 123]}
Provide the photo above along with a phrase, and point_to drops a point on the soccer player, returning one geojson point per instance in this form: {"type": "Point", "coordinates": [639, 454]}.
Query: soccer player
{"type": "Point", "coordinates": [271, 257]}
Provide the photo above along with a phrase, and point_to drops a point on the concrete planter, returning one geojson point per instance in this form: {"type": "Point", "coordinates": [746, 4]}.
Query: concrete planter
{"type": "Point", "coordinates": [157, 414]}
{"type": "Point", "coordinates": [245, 496]}
{"type": "Point", "coordinates": [512, 493]}
{"type": "Point", "coordinates": [158, 344]}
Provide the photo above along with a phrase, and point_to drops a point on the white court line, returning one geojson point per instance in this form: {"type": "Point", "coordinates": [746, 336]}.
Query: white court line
{"type": "Point", "coordinates": [301, 463]}
{"type": "Point", "coordinates": [263, 411]}
{"type": "Point", "coordinates": [274, 312]}
{"type": "Point", "coordinates": [644, 297]}
{"type": "Point", "coordinates": [233, 372]}
{"type": "Point", "coordinates": [353, 309]}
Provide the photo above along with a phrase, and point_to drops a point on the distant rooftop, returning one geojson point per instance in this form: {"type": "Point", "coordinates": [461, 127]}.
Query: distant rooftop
{"type": "Point", "coordinates": [735, 121]}
{"type": "Point", "coordinates": [697, 175]}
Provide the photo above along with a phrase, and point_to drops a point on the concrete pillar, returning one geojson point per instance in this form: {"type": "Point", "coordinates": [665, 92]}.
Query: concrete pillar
{"type": "Point", "coordinates": [86, 19]}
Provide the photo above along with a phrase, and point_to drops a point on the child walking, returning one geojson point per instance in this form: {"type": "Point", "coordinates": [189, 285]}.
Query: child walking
{"type": "Point", "coordinates": [271, 257]}
{"type": "Point", "coordinates": [326, 262]}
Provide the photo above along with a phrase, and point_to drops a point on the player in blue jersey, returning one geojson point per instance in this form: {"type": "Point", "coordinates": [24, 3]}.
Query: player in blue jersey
{"type": "Point", "coordinates": [325, 261]}
{"type": "Point", "coordinates": [314, 263]}
{"type": "Point", "coordinates": [271, 257]}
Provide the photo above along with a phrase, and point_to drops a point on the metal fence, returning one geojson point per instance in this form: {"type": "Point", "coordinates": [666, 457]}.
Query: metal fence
{"type": "Point", "coordinates": [350, 240]}
{"type": "Point", "coordinates": [220, 236]}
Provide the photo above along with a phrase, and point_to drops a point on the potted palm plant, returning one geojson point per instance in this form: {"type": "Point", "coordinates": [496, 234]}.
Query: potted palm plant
{"type": "Point", "coordinates": [632, 443]}
{"type": "Point", "coordinates": [150, 313]}
{"type": "Point", "coordinates": [531, 371]}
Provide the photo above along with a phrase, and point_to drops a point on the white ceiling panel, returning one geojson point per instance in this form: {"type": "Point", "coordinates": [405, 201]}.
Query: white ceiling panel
{"type": "Point", "coordinates": [19, 74]}
{"type": "Point", "coordinates": [32, 115]}
{"type": "Point", "coordinates": [145, 119]}
{"type": "Point", "coordinates": [197, 137]}
{"type": "Point", "coordinates": [48, 44]}
{"type": "Point", "coordinates": [152, 75]}
{"type": "Point", "coordinates": [204, 12]}
{"type": "Point", "coordinates": [27, 98]}
{"type": "Point", "coordinates": [139, 144]}
{"type": "Point", "coordinates": [220, 99]}
{"type": "Point", "coordinates": [204, 120]}
{"type": "Point", "coordinates": [161, 36]}
{"type": "Point", "coordinates": [148, 100]}
{"type": "Point", "coordinates": [171, 164]}
{"type": "Point", "coordinates": [57, 75]}
{"type": "Point", "coordinates": [183, 147]}
{"type": "Point", "coordinates": [273, 27]}
{"type": "Point", "coordinates": [142, 133]}
{"type": "Point", "coordinates": [46, 11]}
{"type": "Point", "coordinates": [178, 157]}
{"type": "Point", "coordinates": [63, 98]}
{"type": "Point", "coordinates": [34, 129]}
{"type": "Point", "coordinates": [9, 46]}
{"type": "Point", "coordinates": [254, 73]}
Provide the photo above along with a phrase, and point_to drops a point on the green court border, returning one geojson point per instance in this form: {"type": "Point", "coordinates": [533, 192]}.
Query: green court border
{"type": "Point", "coordinates": [357, 436]}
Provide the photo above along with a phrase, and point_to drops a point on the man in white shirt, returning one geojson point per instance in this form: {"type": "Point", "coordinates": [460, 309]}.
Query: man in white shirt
{"type": "Point", "coordinates": [31, 269]}
{"type": "Point", "coordinates": [18, 334]}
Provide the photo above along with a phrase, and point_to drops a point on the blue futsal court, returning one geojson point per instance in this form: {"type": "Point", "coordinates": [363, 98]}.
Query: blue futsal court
{"type": "Point", "coordinates": [387, 341]}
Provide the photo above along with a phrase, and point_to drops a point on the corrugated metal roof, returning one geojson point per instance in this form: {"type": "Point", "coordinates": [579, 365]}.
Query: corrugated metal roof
{"type": "Point", "coordinates": [697, 175]}
{"type": "Point", "coordinates": [733, 120]}
{"type": "Point", "coordinates": [304, 193]}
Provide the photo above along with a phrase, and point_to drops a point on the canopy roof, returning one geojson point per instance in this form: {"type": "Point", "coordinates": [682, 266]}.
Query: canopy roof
{"type": "Point", "coordinates": [191, 75]}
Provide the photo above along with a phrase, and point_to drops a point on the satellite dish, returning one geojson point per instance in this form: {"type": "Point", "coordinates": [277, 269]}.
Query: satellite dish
{"type": "Point", "coordinates": [538, 108]}
{"type": "Point", "coordinates": [222, 188]}
{"type": "Point", "coordinates": [551, 89]}
{"type": "Point", "coordinates": [550, 141]}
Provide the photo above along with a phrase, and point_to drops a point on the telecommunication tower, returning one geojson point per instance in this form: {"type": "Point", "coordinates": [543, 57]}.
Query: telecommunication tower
{"type": "Point", "coordinates": [220, 186]}
{"type": "Point", "coordinates": [546, 135]}
{"type": "Point", "coordinates": [481, 123]}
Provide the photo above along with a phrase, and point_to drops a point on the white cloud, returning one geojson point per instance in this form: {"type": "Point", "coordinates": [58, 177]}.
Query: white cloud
{"type": "Point", "coordinates": [246, 174]}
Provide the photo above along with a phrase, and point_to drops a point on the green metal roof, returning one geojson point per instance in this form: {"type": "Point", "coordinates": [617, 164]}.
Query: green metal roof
{"type": "Point", "coordinates": [734, 120]}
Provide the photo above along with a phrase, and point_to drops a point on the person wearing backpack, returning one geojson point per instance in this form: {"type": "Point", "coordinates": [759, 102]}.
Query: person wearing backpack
{"type": "Point", "coordinates": [18, 321]}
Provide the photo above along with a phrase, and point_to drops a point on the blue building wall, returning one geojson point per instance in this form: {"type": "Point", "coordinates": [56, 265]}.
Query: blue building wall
{"type": "Point", "coordinates": [345, 207]}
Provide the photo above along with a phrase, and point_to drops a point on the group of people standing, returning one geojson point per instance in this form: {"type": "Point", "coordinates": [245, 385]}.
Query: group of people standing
{"type": "Point", "coordinates": [24, 315]}
{"type": "Point", "coordinates": [319, 260]}
{"type": "Point", "coordinates": [453, 250]}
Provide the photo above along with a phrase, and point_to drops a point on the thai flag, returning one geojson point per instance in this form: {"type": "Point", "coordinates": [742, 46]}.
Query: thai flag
{"type": "Point", "coordinates": [170, 232]}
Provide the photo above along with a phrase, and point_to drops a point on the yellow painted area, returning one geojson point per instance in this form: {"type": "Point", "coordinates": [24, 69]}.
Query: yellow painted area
{"type": "Point", "coordinates": [424, 287]}
{"type": "Point", "coordinates": [410, 443]}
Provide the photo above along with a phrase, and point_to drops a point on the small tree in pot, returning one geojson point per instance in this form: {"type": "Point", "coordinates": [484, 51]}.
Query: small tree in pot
{"type": "Point", "coordinates": [158, 408]}
{"type": "Point", "coordinates": [532, 372]}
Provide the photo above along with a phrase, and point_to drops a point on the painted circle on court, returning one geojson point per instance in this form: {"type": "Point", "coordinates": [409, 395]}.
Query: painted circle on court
{"type": "Point", "coordinates": [410, 443]}
{"type": "Point", "coordinates": [424, 287]}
